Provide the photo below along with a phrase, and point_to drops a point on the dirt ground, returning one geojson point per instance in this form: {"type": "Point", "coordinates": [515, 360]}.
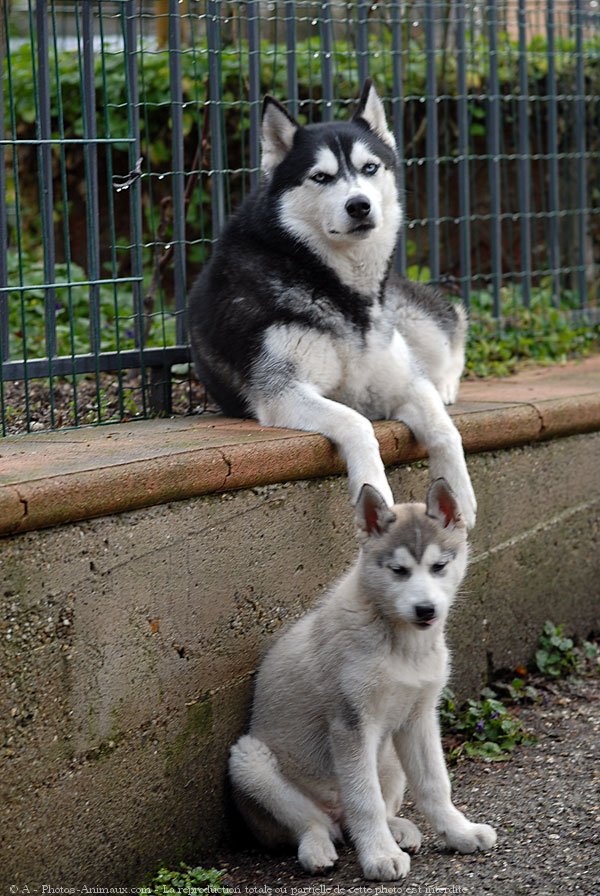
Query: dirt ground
{"type": "Point", "coordinates": [544, 803]}
{"type": "Point", "coordinates": [94, 400]}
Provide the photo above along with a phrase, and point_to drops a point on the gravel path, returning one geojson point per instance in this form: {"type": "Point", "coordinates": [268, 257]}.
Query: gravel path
{"type": "Point", "coordinates": [544, 804]}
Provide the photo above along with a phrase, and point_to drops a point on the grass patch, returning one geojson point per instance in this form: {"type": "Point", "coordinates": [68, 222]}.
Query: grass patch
{"type": "Point", "coordinates": [113, 319]}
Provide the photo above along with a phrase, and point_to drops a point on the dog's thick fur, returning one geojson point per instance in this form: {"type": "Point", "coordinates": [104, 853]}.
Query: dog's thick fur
{"type": "Point", "coordinates": [345, 707]}
{"type": "Point", "coordinates": [298, 319]}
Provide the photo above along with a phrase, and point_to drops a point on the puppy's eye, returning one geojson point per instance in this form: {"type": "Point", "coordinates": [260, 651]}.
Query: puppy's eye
{"type": "Point", "coordinates": [370, 168]}
{"type": "Point", "coordinates": [402, 572]}
{"type": "Point", "coordinates": [321, 178]}
{"type": "Point", "coordinates": [438, 568]}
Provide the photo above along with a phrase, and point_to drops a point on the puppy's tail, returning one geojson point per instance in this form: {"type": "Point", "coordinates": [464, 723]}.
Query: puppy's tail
{"type": "Point", "coordinates": [256, 777]}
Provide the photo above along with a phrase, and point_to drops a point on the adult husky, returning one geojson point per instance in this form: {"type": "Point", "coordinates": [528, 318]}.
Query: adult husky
{"type": "Point", "coordinates": [296, 320]}
{"type": "Point", "coordinates": [345, 702]}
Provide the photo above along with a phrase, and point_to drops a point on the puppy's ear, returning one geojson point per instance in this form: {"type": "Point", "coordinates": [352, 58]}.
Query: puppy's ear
{"type": "Point", "coordinates": [371, 111]}
{"type": "Point", "coordinates": [442, 505]}
{"type": "Point", "coordinates": [373, 516]}
{"type": "Point", "coordinates": [277, 134]}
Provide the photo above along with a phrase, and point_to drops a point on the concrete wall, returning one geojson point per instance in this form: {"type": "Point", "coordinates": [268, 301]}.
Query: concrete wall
{"type": "Point", "coordinates": [128, 644]}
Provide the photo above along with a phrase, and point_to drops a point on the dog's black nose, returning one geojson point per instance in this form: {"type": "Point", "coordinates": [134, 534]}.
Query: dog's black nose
{"type": "Point", "coordinates": [425, 612]}
{"type": "Point", "coordinates": [358, 207]}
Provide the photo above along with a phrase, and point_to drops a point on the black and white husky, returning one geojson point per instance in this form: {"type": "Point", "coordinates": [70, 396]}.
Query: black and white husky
{"type": "Point", "coordinates": [298, 319]}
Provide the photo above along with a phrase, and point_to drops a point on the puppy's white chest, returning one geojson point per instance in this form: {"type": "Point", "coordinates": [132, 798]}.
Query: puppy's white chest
{"type": "Point", "coordinates": [395, 709]}
{"type": "Point", "coordinates": [400, 688]}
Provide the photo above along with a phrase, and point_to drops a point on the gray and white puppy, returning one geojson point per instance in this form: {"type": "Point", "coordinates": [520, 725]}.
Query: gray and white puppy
{"type": "Point", "coordinates": [345, 709]}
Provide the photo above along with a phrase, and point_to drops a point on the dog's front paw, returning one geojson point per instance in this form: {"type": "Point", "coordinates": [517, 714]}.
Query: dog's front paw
{"type": "Point", "coordinates": [406, 834]}
{"type": "Point", "coordinates": [467, 501]}
{"type": "Point", "coordinates": [385, 864]}
{"type": "Point", "coordinates": [448, 390]}
{"type": "Point", "coordinates": [471, 837]}
{"type": "Point", "coordinates": [316, 852]}
{"type": "Point", "coordinates": [454, 470]}
{"type": "Point", "coordinates": [378, 482]}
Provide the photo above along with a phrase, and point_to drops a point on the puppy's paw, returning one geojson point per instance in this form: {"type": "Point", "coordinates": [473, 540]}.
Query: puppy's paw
{"type": "Point", "coordinates": [316, 852]}
{"type": "Point", "coordinates": [385, 864]}
{"type": "Point", "coordinates": [471, 837]}
{"type": "Point", "coordinates": [406, 834]}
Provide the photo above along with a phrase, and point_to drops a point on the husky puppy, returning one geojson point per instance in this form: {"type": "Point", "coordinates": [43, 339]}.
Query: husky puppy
{"type": "Point", "coordinates": [345, 707]}
{"type": "Point", "coordinates": [297, 320]}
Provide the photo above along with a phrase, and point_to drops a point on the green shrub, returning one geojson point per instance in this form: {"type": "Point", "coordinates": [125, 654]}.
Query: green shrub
{"type": "Point", "coordinates": [541, 334]}
{"type": "Point", "coordinates": [155, 122]}
{"type": "Point", "coordinates": [153, 77]}
{"type": "Point", "coordinates": [116, 320]}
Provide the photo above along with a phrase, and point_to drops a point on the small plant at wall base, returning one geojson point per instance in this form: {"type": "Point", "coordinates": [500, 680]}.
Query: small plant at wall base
{"type": "Point", "coordinates": [480, 729]}
{"type": "Point", "coordinates": [186, 880]}
{"type": "Point", "coordinates": [590, 657]}
{"type": "Point", "coordinates": [517, 691]}
{"type": "Point", "coordinates": [556, 655]}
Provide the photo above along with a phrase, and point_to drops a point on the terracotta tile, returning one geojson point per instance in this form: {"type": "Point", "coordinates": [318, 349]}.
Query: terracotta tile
{"type": "Point", "coordinates": [79, 474]}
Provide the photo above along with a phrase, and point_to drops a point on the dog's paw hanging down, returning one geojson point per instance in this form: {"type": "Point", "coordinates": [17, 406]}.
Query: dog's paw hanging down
{"type": "Point", "coordinates": [298, 321]}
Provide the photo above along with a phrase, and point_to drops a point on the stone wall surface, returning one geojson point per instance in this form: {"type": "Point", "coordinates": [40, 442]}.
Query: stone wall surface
{"type": "Point", "coordinates": [128, 644]}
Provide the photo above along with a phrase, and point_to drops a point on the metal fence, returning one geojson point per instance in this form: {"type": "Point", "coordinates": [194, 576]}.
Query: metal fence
{"type": "Point", "coordinates": [129, 130]}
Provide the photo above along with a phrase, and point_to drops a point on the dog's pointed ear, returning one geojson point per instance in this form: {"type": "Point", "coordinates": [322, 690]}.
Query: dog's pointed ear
{"type": "Point", "coordinates": [370, 110]}
{"type": "Point", "coordinates": [373, 515]}
{"type": "Point", "coordinates": [442, 505]}
{"type": "Point", "coordinates": [277, 134]}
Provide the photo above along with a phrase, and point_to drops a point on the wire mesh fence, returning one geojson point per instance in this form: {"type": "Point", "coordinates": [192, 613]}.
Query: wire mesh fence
{"type": "Point", "coordinates": [129, 130]}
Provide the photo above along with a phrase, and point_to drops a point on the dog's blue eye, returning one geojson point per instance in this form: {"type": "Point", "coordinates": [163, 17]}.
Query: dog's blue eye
{"type": "Point", "coordinates": [437, 568]}
{"type": "Point", "coordinates": [321, 178]}
{"type": "Point", "coordinates": [402, 571]}
{"type": "Point", "coordinates": [370, 168]}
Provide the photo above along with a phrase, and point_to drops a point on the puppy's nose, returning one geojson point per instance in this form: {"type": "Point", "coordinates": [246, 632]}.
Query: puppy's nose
{"type": "Point", "coordinates": [358, 207]}
{"type": "Point", "coordinates": [424, 612]}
